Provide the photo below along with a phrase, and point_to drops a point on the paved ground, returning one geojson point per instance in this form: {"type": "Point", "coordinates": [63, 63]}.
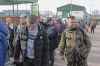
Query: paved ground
{"type": "Point", "coordinates": [94, 57]}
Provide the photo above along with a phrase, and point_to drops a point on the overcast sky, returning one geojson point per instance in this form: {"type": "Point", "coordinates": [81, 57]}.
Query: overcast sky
{"type": "Point", "coordinates": [53, 4]}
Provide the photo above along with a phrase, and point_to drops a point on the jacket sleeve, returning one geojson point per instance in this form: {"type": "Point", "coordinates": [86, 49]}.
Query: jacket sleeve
{"type": "Point", "coordinates": [85, 49]}
{"type": "Point", "coordinates": [3, 44]}
{"type": "Point", "coordinates": [62, 41]}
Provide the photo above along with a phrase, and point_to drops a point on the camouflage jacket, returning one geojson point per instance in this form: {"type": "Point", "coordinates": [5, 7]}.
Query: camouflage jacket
{"type": "Point", "coordinates": [75, 40]}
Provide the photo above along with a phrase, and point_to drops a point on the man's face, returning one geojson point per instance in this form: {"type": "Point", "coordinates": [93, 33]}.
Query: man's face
{"type": "Point", "coordinates": [8, 20]}
{"type": "Point", "coordinates": [72, 23]}
{"type": "Point", "coordinates": [37, 20]}
{"type": "Point", "coordinates": [51, 23]}
{"type": "Point", "coordinates": [22, 21]}
{"type": "Point", "coordinates": [41, 19]}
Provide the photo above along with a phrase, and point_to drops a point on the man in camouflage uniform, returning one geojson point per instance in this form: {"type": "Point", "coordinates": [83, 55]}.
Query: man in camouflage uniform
{"type": "Point", "coordinates": [75, 44]}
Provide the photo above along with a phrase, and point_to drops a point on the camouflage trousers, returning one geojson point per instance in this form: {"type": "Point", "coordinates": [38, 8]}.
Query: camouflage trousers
{"type": "Point", "coordinates": [74, 58]}
{"type": "Point", "coordinates": [81, 63]}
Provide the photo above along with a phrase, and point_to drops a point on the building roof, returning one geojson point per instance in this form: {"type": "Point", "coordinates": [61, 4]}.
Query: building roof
{"type": "Point", "coordinates": [16, 13]}
{"type": "Point", "coordinates": [9, 2]}
{"type": "Point", "coordinates": [72, 7]}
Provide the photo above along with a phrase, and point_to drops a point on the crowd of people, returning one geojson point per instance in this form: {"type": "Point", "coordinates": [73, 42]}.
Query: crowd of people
{"type": "Point", "coordinates": [32, 42]}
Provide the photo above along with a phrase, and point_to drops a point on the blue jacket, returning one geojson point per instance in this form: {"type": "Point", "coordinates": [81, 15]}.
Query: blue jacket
{"type": "Point", "coordinates": [3, 43]}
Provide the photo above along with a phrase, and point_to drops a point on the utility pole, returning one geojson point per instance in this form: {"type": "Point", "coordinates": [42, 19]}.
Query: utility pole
{"type": "Point", "coordinates": [71, 8]}
{"type": "Point", "coordinates": [17, 8]}
{"type": "Point", "coordinates": [36, 6]}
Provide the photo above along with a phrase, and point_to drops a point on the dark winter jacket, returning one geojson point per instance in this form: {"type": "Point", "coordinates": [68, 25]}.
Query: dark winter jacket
{"type": "Point", "coordinates": [3, 42]}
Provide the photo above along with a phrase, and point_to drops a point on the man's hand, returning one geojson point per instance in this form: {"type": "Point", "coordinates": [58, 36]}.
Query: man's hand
{"type": "Point", "coordinates": [60, 51]}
